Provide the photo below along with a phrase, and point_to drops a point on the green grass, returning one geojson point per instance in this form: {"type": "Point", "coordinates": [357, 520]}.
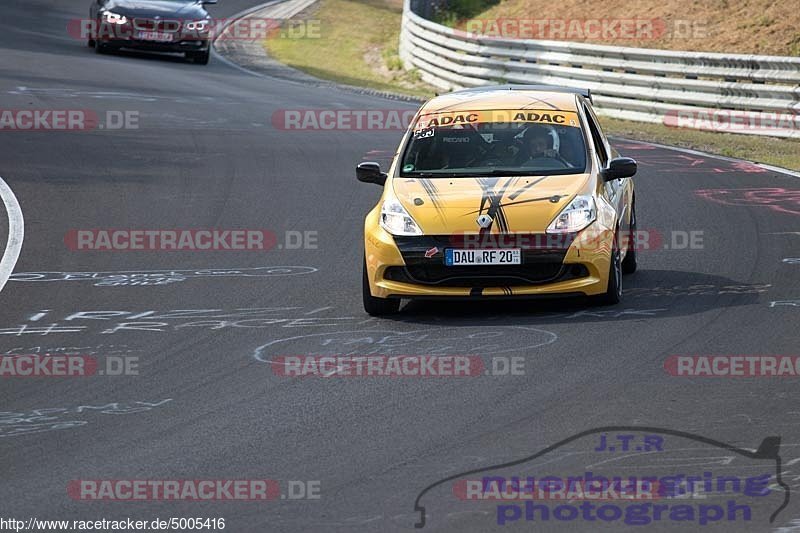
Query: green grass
{"type": "Point", "coordinates": [780, 152]}
{"type": "Point", "coordinates": [458, 10]}
{"type": "Point", "coordinates": [358, 46]}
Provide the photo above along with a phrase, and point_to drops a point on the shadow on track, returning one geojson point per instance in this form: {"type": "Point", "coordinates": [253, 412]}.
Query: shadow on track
{"type": "Point", "coordinates": [648, 294]}
{"type": "Point", "coordinates": [166, 57]}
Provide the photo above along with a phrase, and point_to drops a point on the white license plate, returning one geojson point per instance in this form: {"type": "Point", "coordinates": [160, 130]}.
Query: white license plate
{"type": "Point", "coordinates": [495, 256]}
{"type": "Point", "coordinates": [154, 36]}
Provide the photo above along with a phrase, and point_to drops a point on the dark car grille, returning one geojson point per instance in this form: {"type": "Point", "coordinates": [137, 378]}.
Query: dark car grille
{"type": "Point", "coordinates": [483, 277]}
{"type": "Point", "coordinates": [541, 263]}
{"type": "Point", "coordinates": [164, 26]}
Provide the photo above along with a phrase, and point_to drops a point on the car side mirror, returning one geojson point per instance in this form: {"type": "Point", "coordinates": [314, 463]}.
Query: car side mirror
{"type": "Point", "coordinates": [370, 173]}
{"type": "Point", "coordinates": [618, 168]}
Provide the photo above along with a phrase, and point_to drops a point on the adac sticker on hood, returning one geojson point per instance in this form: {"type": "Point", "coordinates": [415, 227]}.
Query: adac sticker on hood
{"type": "Point", "coordinates": [455, 118]}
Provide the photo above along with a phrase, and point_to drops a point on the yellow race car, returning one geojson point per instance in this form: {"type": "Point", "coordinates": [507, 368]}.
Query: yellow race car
{"type": "Point", "coordinates": [504, 191]}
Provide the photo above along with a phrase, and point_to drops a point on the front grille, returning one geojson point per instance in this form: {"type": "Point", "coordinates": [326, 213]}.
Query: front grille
{"type": "Point", "coordinates": [164, 26]}
{"type": "Point", "coordinates": [484, 277]}
{"type": "Point", "coordinates": [424, 263]}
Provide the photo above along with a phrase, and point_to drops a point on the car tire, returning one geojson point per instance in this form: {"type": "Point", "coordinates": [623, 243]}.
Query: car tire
{"type": "Point", "coordinates": [199, 58]}
{"type": "Point", "coordinates": [629, 263]}
{"type": "Point", "coordinates": [613, 294]}
{"type": "Point", "coordinates": [89, 41]}
{"type": "Point", "coordinates": [376, 306]}
{"type": "Point", "coordinates": [100, 48]}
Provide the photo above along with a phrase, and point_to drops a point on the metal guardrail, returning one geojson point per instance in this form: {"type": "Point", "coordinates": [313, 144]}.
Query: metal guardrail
{"type": "Point", "coordinates": [721, 92]}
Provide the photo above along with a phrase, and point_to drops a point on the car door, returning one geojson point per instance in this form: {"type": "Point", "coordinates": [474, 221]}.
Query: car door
{"type": "Point", "coordinates": [617, 191]}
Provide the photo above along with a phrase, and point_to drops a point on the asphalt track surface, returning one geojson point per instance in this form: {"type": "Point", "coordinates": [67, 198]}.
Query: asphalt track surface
{"type": "Point", "coordinates": [206, 405]}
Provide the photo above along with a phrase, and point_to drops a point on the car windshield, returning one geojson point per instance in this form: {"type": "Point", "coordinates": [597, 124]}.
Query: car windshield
{"type": "Point", "coordinates": [511, 142]}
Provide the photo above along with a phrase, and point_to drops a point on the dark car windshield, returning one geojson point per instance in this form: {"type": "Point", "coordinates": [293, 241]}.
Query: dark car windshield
{"type": "Point", "coordinates": [524, 142]}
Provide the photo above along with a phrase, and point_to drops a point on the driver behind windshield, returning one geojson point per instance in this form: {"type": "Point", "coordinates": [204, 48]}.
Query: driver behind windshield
{"type": "Point", "coordinates": [537, 143]}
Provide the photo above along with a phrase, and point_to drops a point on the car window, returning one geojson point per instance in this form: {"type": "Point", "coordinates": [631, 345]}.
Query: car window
{"type": "Point", "coordinates": [597, 136]}
{"type": "Point", "coordinates": [512, 142]}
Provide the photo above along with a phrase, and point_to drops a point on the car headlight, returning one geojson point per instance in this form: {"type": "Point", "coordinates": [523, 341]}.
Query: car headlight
{"type": "Point", "coordinates": [197, 25]}
{"type": "Point", "coordinates": [580, 212]}
{"type": "Point", "coordinates": [114, 18]}
{"type": "Point", "coordinates": [396, 220]}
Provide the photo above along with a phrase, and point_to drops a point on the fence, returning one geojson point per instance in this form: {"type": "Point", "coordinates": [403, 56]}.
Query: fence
{"type": "Point", "coordinates": [736, 93]}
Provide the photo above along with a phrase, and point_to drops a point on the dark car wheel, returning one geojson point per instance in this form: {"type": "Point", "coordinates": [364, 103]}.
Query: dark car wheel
{"type": "Point", "coordinates": [629, 263]}
{"type": "Point", "coordinates": [376, 306]}
{"type": "Point", "coordinates": [613, 294]}
{"type": "Point", "coordinates": [89, 41]}
{"type": "Point", "coordinates": [100, 48]}
{"type": "Point", "coordinates": [201, 58]}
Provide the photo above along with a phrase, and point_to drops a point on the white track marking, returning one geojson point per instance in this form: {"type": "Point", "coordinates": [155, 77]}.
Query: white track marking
{"type": "Point", "coordinates": [16, 232]}
{"type": "Point", "coordinates": [274, 9]}
{"type": "Point", "coordinates": [772, 168]}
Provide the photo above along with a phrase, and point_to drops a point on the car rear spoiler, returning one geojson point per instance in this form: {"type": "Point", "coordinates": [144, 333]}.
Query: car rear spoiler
{"type": "Point", "coordinates": [586, 93]}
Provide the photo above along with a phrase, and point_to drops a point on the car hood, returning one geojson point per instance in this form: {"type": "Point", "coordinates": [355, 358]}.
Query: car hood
{"type": "Point", "coordinates": [445, 206]}
{"type": "Point", "coordinates": [158, 8]}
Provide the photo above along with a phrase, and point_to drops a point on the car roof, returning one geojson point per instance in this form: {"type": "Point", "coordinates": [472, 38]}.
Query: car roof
{"type": "Point", "coordinates": [506, 97]}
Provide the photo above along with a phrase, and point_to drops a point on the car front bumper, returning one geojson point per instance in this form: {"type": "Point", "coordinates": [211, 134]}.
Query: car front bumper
{"type": "Point", "coordinates": [398, 268]}
{"type": "Point", "coordinates": [192, 45]}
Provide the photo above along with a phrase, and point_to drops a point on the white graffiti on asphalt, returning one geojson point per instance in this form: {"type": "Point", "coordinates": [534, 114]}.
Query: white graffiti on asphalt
{"type": "Point", "coordinates": [15, 424]}
{"type": "Point", "coordinates": [105, 322]}
{"type": "Point", "coordinates": [159, 277]}
{"type": "Point", "coordinates": [788, 303]}
{"type": "Point", "coordinates": [481, 340]}
{"type": "Point", "coordinates": [100, 349]}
